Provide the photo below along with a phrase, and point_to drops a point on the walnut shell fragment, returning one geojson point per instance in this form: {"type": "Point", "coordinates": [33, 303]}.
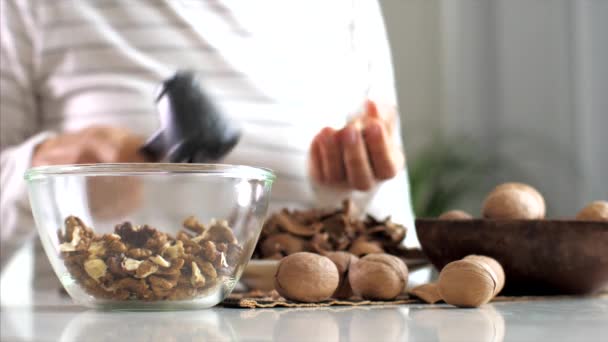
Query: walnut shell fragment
{"type": "Point", "coordinates": [429, 293]}
{"type": "Point", "coordinates": [283, 244]}
{"type": "Point", "coordinates": [363, 246]}
{"type": "Point", "coordinates": [285, 222]}
{"type": "Point", "coordinates": [323, 231]}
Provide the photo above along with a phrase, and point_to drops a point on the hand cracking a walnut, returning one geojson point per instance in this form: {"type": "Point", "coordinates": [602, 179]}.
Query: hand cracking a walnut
{"type": "Point", "coordinates": [143, 263]}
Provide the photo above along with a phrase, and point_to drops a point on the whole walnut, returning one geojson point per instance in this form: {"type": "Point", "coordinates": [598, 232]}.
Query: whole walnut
{"type": "Point", "coordinates": [306, 277]}
{"type": "Point", "coordinates": [455, 215]}
{"type": "Point", "coordinates": [595, 211]}
{"type": "Point", "coordinates": [378, 276]}
{"type": "Point", "coordinates": [470, 282]}
{"type": "Point", "coordinates": [514, 201]}
{"type": "Point", "coordinates": [343, 261]}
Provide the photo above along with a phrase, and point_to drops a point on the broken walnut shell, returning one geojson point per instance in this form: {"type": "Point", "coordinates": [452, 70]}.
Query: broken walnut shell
{"type": "Point", "coordinates": [429, 293]}
{"type": "Point", "coordinates": [306, 277]}
{"type": "Point", "coordinates": [363, 246]}
{"type": "Point", "coordinates": [291, 226]}
{"type": "Point", "coordinates": [283, 243]}
{"type": "Point", "coordinates": [378, 276]}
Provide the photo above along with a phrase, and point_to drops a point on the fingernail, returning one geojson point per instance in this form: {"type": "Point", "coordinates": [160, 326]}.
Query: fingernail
{"type": "Point", "coordinates": [328, 138]}
{"type": "Point", "coordinates": [373, 129]}
{"type": "Point", "coordinates": [351, 135]}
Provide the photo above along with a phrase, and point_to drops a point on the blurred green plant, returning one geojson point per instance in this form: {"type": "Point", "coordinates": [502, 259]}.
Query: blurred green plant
{"type": "Point", "coordinates": [446, 172]}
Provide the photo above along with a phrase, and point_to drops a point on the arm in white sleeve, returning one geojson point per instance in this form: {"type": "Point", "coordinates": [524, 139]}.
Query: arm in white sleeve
{"type": "Point", "coordinates": [391, 197]}
{"type": "Point", "coordinates": [19, 121]}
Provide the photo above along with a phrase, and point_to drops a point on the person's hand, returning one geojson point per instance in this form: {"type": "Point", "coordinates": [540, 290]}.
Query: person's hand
{"type": "Point", "coordinates": [109, 197]}
{"type": "Point", "coordinates": [360, 154]}
{"type": "Point", "coordinates": [97, 144]}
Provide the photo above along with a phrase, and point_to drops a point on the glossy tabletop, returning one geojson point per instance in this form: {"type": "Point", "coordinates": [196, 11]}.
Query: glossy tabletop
{"type": "Point", "coordinates": [51, 317]}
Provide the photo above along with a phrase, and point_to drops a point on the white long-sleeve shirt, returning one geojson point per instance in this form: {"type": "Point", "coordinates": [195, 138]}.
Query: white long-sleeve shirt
{"type": "Point", "coordinates": [284, 69]}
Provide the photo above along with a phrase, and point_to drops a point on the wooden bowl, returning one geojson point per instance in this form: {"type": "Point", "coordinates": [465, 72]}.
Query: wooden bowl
{"type": "Point", "coordinates": [540, 257]}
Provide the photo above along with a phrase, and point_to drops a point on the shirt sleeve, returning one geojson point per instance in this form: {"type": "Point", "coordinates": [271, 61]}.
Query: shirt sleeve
{"type": "Point", "coordinates": [391, 197]}
{"type": "Point", "coordinates": [19, 117]}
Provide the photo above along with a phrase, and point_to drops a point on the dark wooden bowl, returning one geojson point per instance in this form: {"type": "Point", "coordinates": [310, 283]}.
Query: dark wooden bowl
{"type": "Point", "coordinates": [540, 257]}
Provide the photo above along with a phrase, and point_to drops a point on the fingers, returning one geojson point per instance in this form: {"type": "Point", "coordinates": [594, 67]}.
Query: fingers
{"type": "Point", "coordinates": [95, 150]}
{"type": "Point", "coordinates": [371, 110]}
{"type": "Point", "coordinates": [331, 156]}
{"type": "Point", "coordinates": [387, 114]}
{"type": "Point", "coordinates": [358, 169]}
{"type": "Point", "coordinates": [88, 146]}
{"type": "Point", "coordinates": [380, 150]}
{"type": "Point", "coordinates": [315, 167]}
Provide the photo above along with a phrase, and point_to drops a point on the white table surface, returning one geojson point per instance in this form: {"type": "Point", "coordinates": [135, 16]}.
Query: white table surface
{"type": "Point", "coordinates": [54, 318]}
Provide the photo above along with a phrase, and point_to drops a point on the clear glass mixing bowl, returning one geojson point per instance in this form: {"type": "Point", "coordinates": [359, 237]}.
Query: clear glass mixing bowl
{"type": "Point", "coordinates": [149, 236]}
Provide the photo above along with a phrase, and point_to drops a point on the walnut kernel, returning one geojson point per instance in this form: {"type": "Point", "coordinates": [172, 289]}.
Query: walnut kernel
{"type": "Point", "coordinates": [95, 268]}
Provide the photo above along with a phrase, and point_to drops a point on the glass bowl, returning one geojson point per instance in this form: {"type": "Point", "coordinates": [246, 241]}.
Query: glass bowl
{"type": "Point", "coordinates": [149, 236]}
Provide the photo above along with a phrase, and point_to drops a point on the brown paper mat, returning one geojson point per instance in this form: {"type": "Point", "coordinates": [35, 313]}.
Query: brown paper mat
{"type": "Point", "coordinates": [258, 299]}
{"type": "Point", "coordinates": [272, 300]}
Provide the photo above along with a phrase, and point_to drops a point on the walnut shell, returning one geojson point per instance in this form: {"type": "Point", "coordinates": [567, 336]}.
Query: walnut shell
{"type": "Point", "coordinates": [378, 276]}
{"type": "Point", "coordinates": [306, 277]}
{"type": "Point", "coordinates": [595, 211]}
{"type": "Point", "coordinates": [343, 261]}
{"type": "Point", "coordinates": [282, 243]}
{"type": "Point", "coordinates": [495, 266]}
{"type": "Point", "coordinates": [429, 293]}
{"type": "Point", "coordinates": [363, 246]}
{"type": "Point", "coordinates": [514, 201]}
{"type": "Point", "coordinates": [467, 283]}
{"type": "Point", "coordinates": [455, 215]}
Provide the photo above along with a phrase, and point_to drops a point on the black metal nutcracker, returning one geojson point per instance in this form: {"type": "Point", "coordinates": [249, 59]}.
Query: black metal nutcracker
{"type": "Point", "coordinates": [193, 129]}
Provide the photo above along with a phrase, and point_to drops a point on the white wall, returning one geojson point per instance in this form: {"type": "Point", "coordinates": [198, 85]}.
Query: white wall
{"type": "Point", "coordinates": [527, 78]}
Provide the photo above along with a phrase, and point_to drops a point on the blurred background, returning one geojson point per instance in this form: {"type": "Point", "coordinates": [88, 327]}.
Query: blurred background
{"type": "Point", "coordinates": [502, 90]}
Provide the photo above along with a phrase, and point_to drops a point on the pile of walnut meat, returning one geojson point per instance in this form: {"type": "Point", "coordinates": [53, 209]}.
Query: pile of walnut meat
{"type": "Point", "coordinates": [143, 263]}
{"type": "Point", "coordinates": [321, 231]}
